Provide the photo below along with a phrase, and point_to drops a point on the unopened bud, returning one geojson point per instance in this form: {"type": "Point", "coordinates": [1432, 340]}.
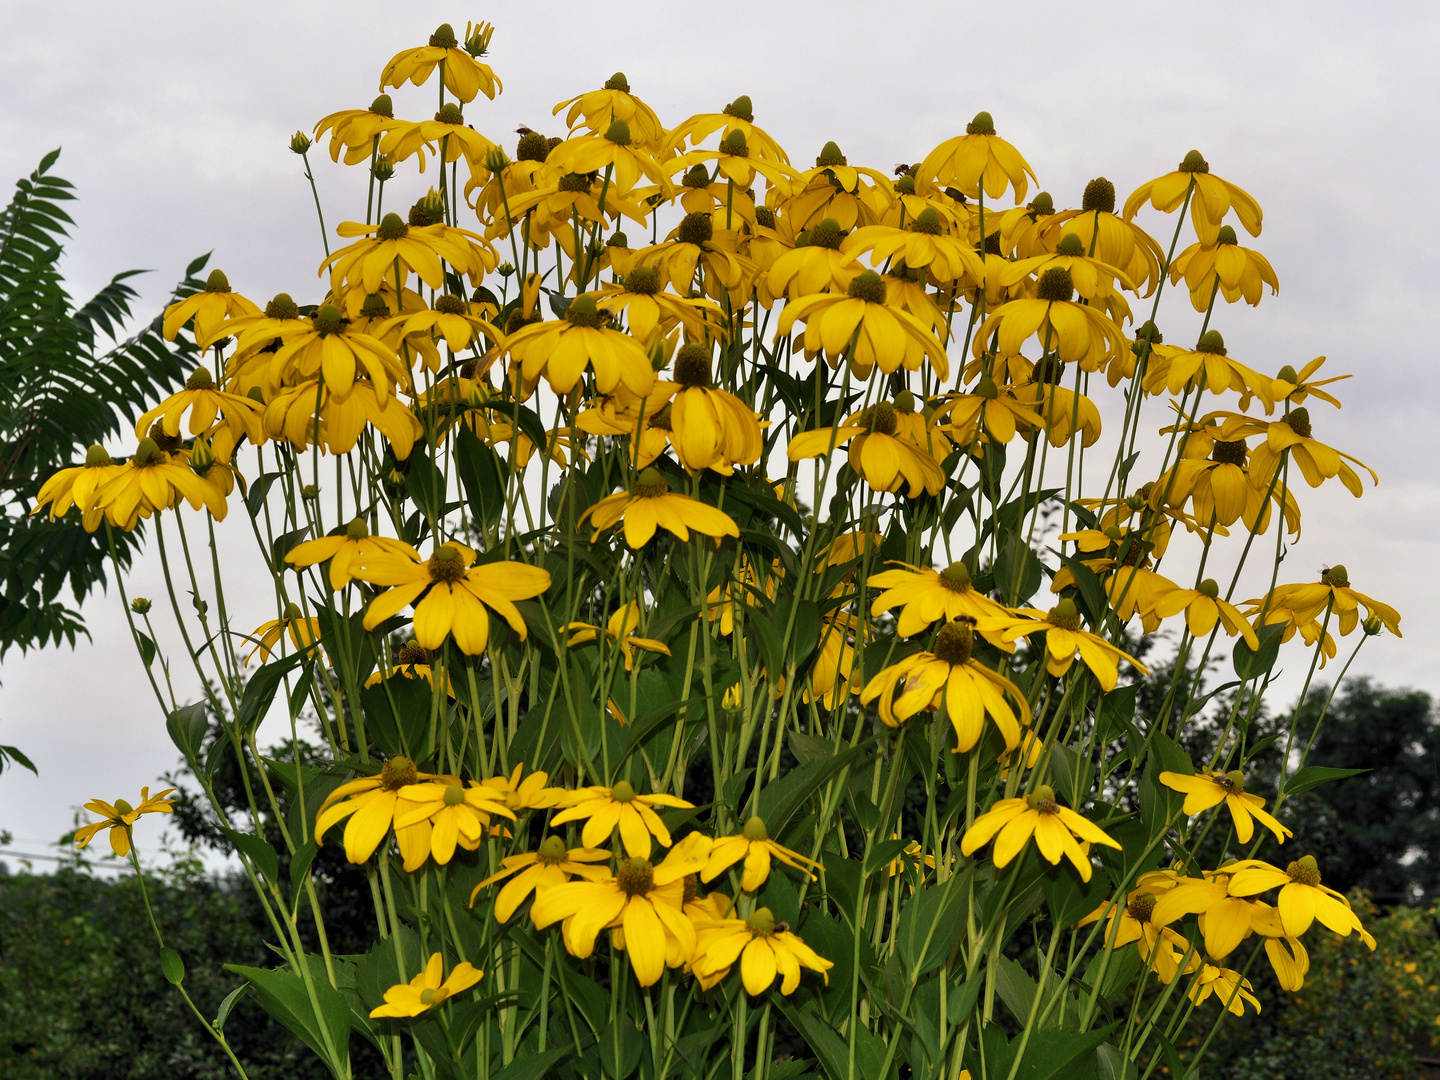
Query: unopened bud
{"type": "Point", "coordinates": [299, 143]}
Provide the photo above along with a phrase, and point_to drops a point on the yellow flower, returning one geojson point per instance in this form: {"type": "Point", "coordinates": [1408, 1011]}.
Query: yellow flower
{"type": "Point", "coordinates": [1064, 412]}
{"type": "Point", "coordinates": [1302, 898]}
{"type": "Point", "coordinates": [1295, 387]}
{"type": "Point", "coordinates": [1241, 272]}
{"type": "Point", "coordinates": [924, 595]}
{"type": "Point", "coordinates": [650, 506]}
{"type": "Point", "coordinates": [977, 159]}
{"type": "Point", "coordinates": [539, 870]}
{"type": "Point", "coordinates": [1135, 922]}
{"type": "Point", "coordinates": [458, 596]}
{"type": "Point", "coordinates": [411, 662]}
{"type": "Point", "coordinates": [613, 101]}
{"type": "Point", "coordinates": [815, 265]}
{"type": "Point", "coordinates": [998, 413]}
{"type": "Point", "coordinates": [120, 816]}
{"type": "Point", "coordinates": [367, 263]}
{"type": "Point", "coordinates": [355, 129]}
{"type": "Point", "coordinates": [464, 76]}
{"type": "Point", "coordinates": [863, 328]}
{"type": "Point", "coordinates": [1203, 608]}
{"type": "Point", "coordinates": [528, 794]}
{"type": "Point", "coordinates": [205, 403]}
{"type": "Point", "coordinates": [923, 246]}
{"type": "Point", "coordinates": [326, 346]}
{"type": "Point", "coordinates": [696, 255]}
{"type": "Point", "coordinates": [78, 486]}
{"type": "Point", "coordinates": [1056, 830]}
{"type": "Point", "coordinates": [346, 549]}
{"type": "Point", "coordinates": [1317, 461]}
{"type": "Point", "coordinates": [450, 318]}
{"type": "Point", "coordinates": [1112, 239]}
{"type": "Point", "coordinates": [734, 163]}
{"type": "Point", "coordinates": [1206, 366]}
{"type": "Point", "coordinates": [604, 809]}
{"type": "Point", "coordinates": [303, 633]}
{"type": "Point", "coordinates": [644, 901]}
{"type": "Point", "coordinates": [765, 948]}
{"type": "Point", "coordinates": [1211, 788]}
{"type": "Point", "coordinates": [1076, 333]}
{"type": "Point", "coordinates": [372, 803]}
{"type": "Point", "coordinates": [947, 676]}
{"type": "Point", "coordinates": [425, 991]}
{"type": "Point", "coordinates": [739, 116]}
{"type": "Point", "coordinates": [756, 848]}
{"type": "Point", "coordinates": [210, 308]}
{"type": "Point", "coordinates": [835, 660]}
{"type": "Point", "coordinates": [1225, 920]}
{"type": "Point", "coordinates": [883, 460]}
{"type": "Point", "coordinates": [1308, 600]}
{"type": "Point", "coordinates": [1213, 198]}
{"type": "Point", "coordinates": [291, 415]}
{"type": "Point", "coordinates": [848, 195]}
{"type": "Point", "coordinates": [625, 159]}
{"type": "Point", "coordinates": [709, 428]}
{"type": "Point", "coordinates": [450, 813]}
{"type": "Point", "coordinates": [561, 350]}
{"type": "Point", "coordinates": [1064, 639]}
{"type": "Point", "coordinates": [618, 629]}
{"type": "Point", "coordinates": [1230, 987]}
{"type": "Point", "coordinates": [153, 480]}
{"type": "Point", "coordinates": [1092, 278]}
{"type": "Point", "coordinates": [448, 129]}
{"type": "Point", "coordinates": [648, 309]}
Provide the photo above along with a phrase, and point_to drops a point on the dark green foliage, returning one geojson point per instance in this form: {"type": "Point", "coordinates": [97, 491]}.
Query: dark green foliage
{"type": "Point", "coordinates": [67, 379]}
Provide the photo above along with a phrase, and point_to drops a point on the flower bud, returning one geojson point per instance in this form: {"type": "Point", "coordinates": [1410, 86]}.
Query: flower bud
{"type": "Point", "coordinates": [140, 606]}
{"type": "Point", "coordinates": [299, 143]}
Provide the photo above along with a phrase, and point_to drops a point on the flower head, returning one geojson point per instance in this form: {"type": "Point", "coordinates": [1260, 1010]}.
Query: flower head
{"type": "Point", "coordinates": [650, 505]}
{"type": "Point", "coordinates": [1212, 787]}
{"type": "Point", "coordinates": [754, 846]}
{"type": "Point", "coordinates": [765, 948]}
{"type": "Point", "coordinates": [426, 990]}
{"type": "Point", "coordinates": [604, 809]}
{"type": "Point", "coordinates": [1058, 831]}
{"type": "Point", "coordinates": [119, 816]}
{"type": "Point", "coordinates": [551, 864]}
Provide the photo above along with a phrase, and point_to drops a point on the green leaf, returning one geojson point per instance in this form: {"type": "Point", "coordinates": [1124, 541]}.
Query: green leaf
{"type": "Point", "coordinates": [931, 923]}
{"type": "Point", "coordinates": [187, 726]}
{"type": "Point", "coordinates": [147, 648]}
{"type": "Point", "coordinates": [260, 691]}
{"type": "Point", "coordinates": [283, 995]}
{"type": "Point", "coordinates": [831, 1049]}
{"type": "Point", "coordinates": [231, 1000]}
{"type": "Point", "coordinates": [882, 854]}
{"type": "Point", "coordinates": [1252, 663]}
{"type": "Point", "coordinates": [261, 854]}
{"type": "Point", "coordinates": [620, 1047]}
{"type": "Point", "coordinates": [528, 1066]}
{"type": "Point", "coordinates": [9, 753]}
{"type": "Point", "coordinates": [781, 799]}
{"type": "Point", "coordinates": [1312, 776]}
{"type": "Point", "coordinates": [172, 966]}
{"type": "Point", "coordinates": [1113, 1065]}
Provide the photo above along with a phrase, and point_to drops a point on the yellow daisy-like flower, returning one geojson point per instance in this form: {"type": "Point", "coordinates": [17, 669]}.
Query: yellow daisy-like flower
{"type": "Point", "coordinates": [618, 629]}
{"type": "Point", "coordinates": [644, 901]}
{"type": "Point", "coordinates": [1111, 238]}
{"type": "Point", "coordinates": [1134, 922]}
{"type": "Point", "coordinates": [1204, 607]}
{"type": "Point", "coordinates": [153, 480]}
{"type": "Point", "coordinates": [697, 255]}
{"type": "Point", "coordinates": [922, 246]}
{"type": "Point", "coordinates": [1076, 333]}
{"type": "Point", "coordinates": [605, 809]}
{"type": "Point", "coordinates": [1225, 920]}
{"type": "Point", "coordinates": [861, 326]}
{"type": "Point", "coordinates": [1211, 788]}
{"type": "Point", "coordinates": [451, 813]}
{"type": "Point", "coordinates": [211, 308]}
{"type": "Point", "coordinates": [78, 486]}
{"type": "Point", "coordinates": [450, 318]}
{"type": "Point", "coordinates": [1309, 600]}
{"type": "Point", "coordinates": [978, 159]}
{"type": "Point", "coordinates": [1317, 461]}
{"type": "Point", "coordinates": [291, 415]}
{"type": "Point", "coordinates": [998, 414]}
{"type": "Point", "coordinates": [613, 101]}
{"type": "Point", "coordinates": [835, 659]}
{"type": "Point", "coordinates": [924, 595]}
{"type": "Point", "coordinates": [531, 793]}
{"type": "Point", "coordinates": [948, 678]}
{"type": "Point", "coordinates": [1093, 279]}
{"type": "Point", "coordinates": [303, 633]}
{"type": "Point", "coordinates": [411, 662]}
{"type": "Point", "coordinates": [765, 948]}
{"type": "Point", "coordinates": [1213, 198]}
{"type": "Point", "coordinates": [616, 152]}
{"type": "Point", "coordinates": [458, 594]}
{"type": "Point", "coordinates": [447, 136]}
{"type": "Point", "coordinates": [883, 460]}
{"type": "Point", "coordinates": [848, 195]}
{"type": "Point", "coordinates": [561, 350]}
{"type": "Point", "coordinates": [367, 263]}
{"type": "Point", "coordinates": [709, 428]}
{"type": "Point", "coordinates": [1058, 831]}
{"type": "Point", "coordinates": [205, 403]}
{"type": "Point", "coordinates": [648, 309]}
{"type": "Point", "coordinates": [1230, 987]}
{"type": "Point", "coordinates": [754, 846]}
{"type": "Point", "coordinates": [739, 116]}
{"type": "Point", "coordinates": [1242, 273]}
{"type": "Point", "coordinates": [325, 345]}
{"type": "Point", "coordinates": [372, 803]}
{"type": "Point", "coordinates": [346, 548]}
{"type": "Point", "coordinates": [1207, 365]}
{"type": "Point", "coordinates": [355, 130]}
{"type": "Point", "coordinates": [816, 265]}
{"type": "Point", "coordinates": [1064, 639]}
{"type": "Point", "coordinates": [464, 76]}
{"type": "Point", "coordinates": [1295, 387]}
{"type": "Point", "coordinates": [651, 506]}
{"type": "Point", "coordinates": [426, 991]}
{"type": "Point", "coordinates": [120, 816]}
{"type": "Point", "coordinates": [734, 163]}
{"type": "Point", "coordinates": [552, 864]}
{"type": "Point", "coordinates": [1302, 898]}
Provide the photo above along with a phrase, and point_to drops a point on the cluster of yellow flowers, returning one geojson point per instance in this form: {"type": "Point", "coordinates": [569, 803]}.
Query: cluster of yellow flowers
{"type": "Point", "coordinates": [654, 910]}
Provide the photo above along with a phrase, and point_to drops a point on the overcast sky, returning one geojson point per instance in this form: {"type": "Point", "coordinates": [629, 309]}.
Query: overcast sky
{"type": "Point", "coordinates": [174, 120]}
